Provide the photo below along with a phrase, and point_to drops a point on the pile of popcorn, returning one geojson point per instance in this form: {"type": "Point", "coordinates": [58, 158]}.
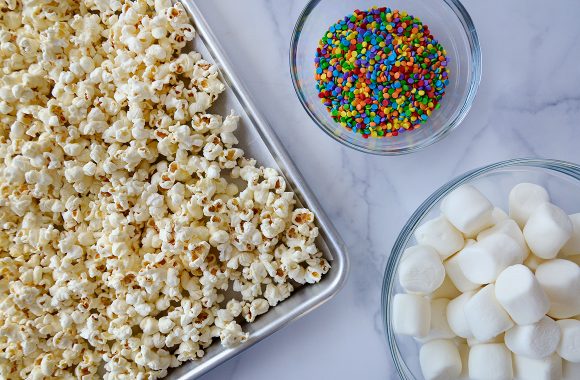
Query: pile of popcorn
{"type": "Point", "coordinates": [126, 211]}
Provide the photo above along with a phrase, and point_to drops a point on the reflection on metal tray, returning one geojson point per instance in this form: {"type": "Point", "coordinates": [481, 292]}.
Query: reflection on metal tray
{"type": "Point", "coordinates": [259, 141]}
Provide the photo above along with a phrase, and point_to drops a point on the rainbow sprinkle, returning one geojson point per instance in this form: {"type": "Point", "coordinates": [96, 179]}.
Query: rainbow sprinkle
{"type": "Point", "coordinates": [380, 72]}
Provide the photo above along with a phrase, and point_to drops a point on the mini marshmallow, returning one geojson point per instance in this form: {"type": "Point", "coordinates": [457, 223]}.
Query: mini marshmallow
{"type": "Point", "coordinates": [456, 315]}
{"type": "Point", "coordinates": [520, 294]}
{"type": "Point", "coordinates": [441, 235]}
{"type": "Point", "coordinates": [560, 279]}
{"type": "Point", "coordinates": [490, 362]}
{"type": "Point", "coordinates": [548, 368]}
{"type": "Point", "coordinates": [569, 347]}
{"type": "Point", "coordinates": [572, 247]}
{"type": "Point", "coordinates": [455, 273]}
{"type": "Point", "coordinates": [446, 290]}
{"type": "Point", "coordinates": [411, 315]}
{"type": "Point", "coordinates": [571, 371]}
{"type": "Point", "coordinates": [485, 316]}
{"type": "Point", "coordinates": [483, 261]}
{"type": "Point", "coordinates": [468, 210]}
{"type": "Point", "coordinates": [548, 229]}
{"type": "Point", "coordinates": [421, 270]}
{"type": "Point", "coordinates": [524, 199]}
{"type": "Point", "coordinates": [510, 228]}
{"type": "Point", "coordinates": [535, 341]}
{"type": "Point", "coordinates": [440, 360]}
{"type": "Point", "coordinates": [439, 327]}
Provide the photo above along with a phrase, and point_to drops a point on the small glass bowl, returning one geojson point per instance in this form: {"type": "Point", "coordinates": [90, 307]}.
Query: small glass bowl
{"type": "Point", "coordinates": [561, 179]}
{"type": "Point", "coordinates": [450, 24]}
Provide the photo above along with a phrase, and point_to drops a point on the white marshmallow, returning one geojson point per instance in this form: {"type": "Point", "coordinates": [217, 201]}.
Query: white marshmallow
{"type": "Point", "coordinates": [438, 327]}
{"type": "Point", "coordinates": [455, 273]}
{"type": "Point", "coordinates": [521, 295]}
{"type": "Point", "coordinates": [441, 235]}
{"type": "Point", "coordinates": [490, 362]}
{"type": "Point", "coordinates": [446, 290]}
{"type": "Point", "coordinates": [560, 279]}
{"type": "Point", "coordinates": [524, 199]}
{"type": "Point", "coordinates": [569, 347]}
{"type": "Point", "coordinates": [533, 262]}
{"type": "Point", "coordinates": [498, 215]}
{"type": "Point", "coordinates": [456, 315]}
{"type": "Point", "coordinates": [421, 270]}
{"type": "Point", "coordinates": [411, 314]}
{"type": "Point", "coordinates": [535, 341]}
{"type": "Point", "coordinates": [547, 230]}
{"type": "Point", "coordinates": [468, 210]}
{"type": "Point", "coordinates": [440, 360]}
{"type": "Point", "coordinates": [483, 261]}
{"type": "Point", "coordinates": [548, 368]}
{"type": "Point", "coordinates": [510, 228]}
{"type": "Point", "coordinates": [485, 316]}
{"type": "Point", "coordinates": [572, 247]}
{"type": "Point", "coordinates": [571, 371]}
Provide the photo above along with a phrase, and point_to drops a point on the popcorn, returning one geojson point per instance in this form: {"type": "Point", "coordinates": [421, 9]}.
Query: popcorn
{"type": "Point", "coordinates": [127, 212]}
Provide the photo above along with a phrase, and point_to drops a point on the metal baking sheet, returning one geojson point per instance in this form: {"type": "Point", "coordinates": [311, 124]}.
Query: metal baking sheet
{"type": "Point", "coordinates": [260, 142]}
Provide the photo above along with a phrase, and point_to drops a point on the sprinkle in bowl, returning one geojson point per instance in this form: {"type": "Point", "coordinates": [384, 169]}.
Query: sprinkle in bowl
{"type": "Point", "coordinates": [449, 24]}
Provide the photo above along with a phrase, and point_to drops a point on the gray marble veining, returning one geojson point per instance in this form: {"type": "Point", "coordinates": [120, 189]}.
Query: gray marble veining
{"type": "Point", "coordinates": [528, 105]}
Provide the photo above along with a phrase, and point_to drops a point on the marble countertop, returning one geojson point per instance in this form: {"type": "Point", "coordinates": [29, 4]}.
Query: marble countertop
{"type": "Point", "coordinates": [528, 105]}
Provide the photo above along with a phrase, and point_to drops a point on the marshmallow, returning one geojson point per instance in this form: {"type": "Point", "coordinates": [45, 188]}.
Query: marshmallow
{"type": "Point", "coordinates": [521, 295]}
{"type": "Point", "coordinates": [572, 247]}
{"type": "Point", "coordinates": [535, 341]}
{"type": "Point", "coordinates": [524, 199]}
{"type": "Point", "coordinates": [490, 362]}
{"type": "Point", "coordinates": [510, 228]}
{"type": "Point", "coordinates": [560, 279]}
{"type": "Point", "coordinates": [421, 270]}
{"type": "Point", "coordinates": [571, 371]}
{"type": "Point", "coordinates": [455, 273]}
{"type": "Point", "coordinates": [498, 215]}
{"type": "Point", "coordinates": [440, 360]}
{"type": "Point", "coordinates": [456, 315]}
{"type": "Point", "coordinates": [483, 261]}
{"type": "Point", "coordinates": [548, 229]}
{"type": "Point", "coordinates": [569, 347]}
{"type": "Point", "coordinates": [548, 368]}
{"type": "Point", "coordinates": [439, 327]}
{"type": "Point", "coordinates": [485, 316]}
{"type": "Point", "coordinates": [446, 290]}
{"type": "Point", "coordinates": [533, 262]}
{"type": "Point", "coordinates": [411, 315]}
{"type": "Point", "coordinates": [441, 235]}
{"type": "Point", "coordinates": [468, 210]}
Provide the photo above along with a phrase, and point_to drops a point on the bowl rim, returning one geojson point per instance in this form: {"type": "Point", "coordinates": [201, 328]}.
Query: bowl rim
{"type": "Point", "coordinates": [476, 72]}
{"type": "Point", "coordinates": [568, 168]}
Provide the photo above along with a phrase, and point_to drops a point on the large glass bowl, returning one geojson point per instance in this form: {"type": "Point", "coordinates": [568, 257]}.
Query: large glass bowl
{"type": "Point", "coordinates": [562, 179]}
{"type": "Point", "coordinates": [450, 24]}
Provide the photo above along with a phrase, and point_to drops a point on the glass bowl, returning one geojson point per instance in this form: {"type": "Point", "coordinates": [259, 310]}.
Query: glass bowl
{"type": "Point", "coordinates": [562, 179]}
{"type": "Point", "coordinates": [450, 24]}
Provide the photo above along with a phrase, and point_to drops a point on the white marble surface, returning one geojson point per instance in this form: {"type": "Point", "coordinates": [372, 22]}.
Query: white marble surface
{"type": "Point", "coordinates": [528, 105]}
